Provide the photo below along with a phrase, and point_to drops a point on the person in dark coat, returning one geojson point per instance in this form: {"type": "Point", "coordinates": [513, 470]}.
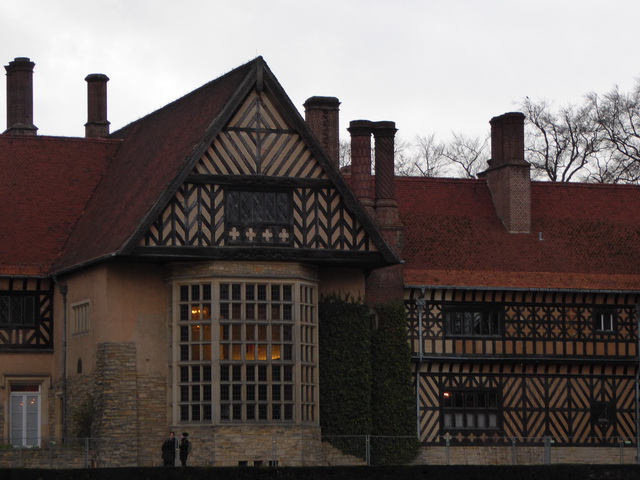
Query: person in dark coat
{"type": "Point", "coordinates": [185, 448]}
{"type": "Point", "coordinates": [169, 450]}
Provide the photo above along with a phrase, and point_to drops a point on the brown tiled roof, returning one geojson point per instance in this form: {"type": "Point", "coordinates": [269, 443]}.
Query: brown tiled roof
{"type": "Point", "coordinates": [583, 236]}
{"type": "Point", "coordinates": [45, 183]}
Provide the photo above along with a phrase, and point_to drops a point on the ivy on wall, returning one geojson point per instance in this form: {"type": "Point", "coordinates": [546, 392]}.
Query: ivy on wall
{"type": "Point", "coordinates": [365, 380]}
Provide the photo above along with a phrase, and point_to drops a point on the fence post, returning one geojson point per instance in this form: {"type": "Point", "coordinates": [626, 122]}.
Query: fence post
{"type": "Point", "coordinates": [514, 452]}
{"type": "Point", "coordinates": [86, 453]}
{"type": "Point", "coordinates": [368, 449]}
{"type": "Point", "coordinates": [547, 451]}
{"type": "Point", "coordinates": [447, 451]}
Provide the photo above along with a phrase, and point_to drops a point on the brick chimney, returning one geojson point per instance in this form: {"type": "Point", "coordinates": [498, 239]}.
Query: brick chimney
{"type": "Point", "coordinates": [508, 175]}
{"type": "Point", "coordinates": [20, 97]}
{"type": "Point", "coordinates": [97, 125]}
{"type": "Point", "coordinates": [385, 198]}
{"type": "Point", "coordinates": [323, 118]}
{"type": "Point", "coordinates": [360, 131]}
{"type": "Point", "coordinates": [387, 283]}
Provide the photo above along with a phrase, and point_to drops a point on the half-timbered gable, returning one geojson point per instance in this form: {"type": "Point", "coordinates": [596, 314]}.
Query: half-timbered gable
{"type": "Point", "coordinates": [260, 184]}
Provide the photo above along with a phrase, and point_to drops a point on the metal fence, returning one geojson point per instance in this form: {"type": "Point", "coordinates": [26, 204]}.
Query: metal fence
{"type": "Point", "coordinates": [497, 450]}
{"type": "Point", "coordinates": [336, 450]}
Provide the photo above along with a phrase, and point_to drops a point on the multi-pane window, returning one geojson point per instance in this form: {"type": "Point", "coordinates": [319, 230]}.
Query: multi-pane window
{"type": "Point", "coordinates": [470, 410]}
{"type": "Point", "coordinates": [195, 353]}
{"type": "Point", "coordinates": [24, 408]}
{"type": "Point", "coordinates": [604, 319]}
{"type": "Point", "coordinates": [18, 310]}
{"type": "Point", "coordinates": [246, 351]}
{"type": "Point", "coordinates": [80, 318]}
{"type": "Point", "coordinates": [308, 352]}
{"type": "Point", "coordinates": [258, 217]}
{"type": "Point", "coordinates": [473, 321]}
{"type": "Point", "coordinates": [256, 352]}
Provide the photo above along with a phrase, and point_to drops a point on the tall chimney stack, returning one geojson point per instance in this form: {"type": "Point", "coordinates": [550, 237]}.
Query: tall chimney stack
{"type": "Point", "coordinates": [322, 115]}
{"type": "Point", "coordinates": [385, 201]}
{"type": "Point", "coordinates": [360, 131]}
{"type": "Point", "coordinates": [97, 125]}
{"type": "Point", "coordinates": [508, 175]}
{"type": "Point", "coordinates": [20, 97]}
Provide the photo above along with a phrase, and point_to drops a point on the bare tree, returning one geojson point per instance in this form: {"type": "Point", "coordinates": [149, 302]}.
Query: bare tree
{"type": "Point", "coordinates": [561, 145]}
{"type": "Point", "coordinates": [344, 159]}
{"type": "Point", "coordinates": [469, 154]}
{"type": "Point", "coordinates": [618, 116]}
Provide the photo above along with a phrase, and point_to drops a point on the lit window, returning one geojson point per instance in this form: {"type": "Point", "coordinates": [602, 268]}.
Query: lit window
{"type": "Point", "coordinates": [238, 344]}
{"type": "Point", "coordinates": [470, 410]}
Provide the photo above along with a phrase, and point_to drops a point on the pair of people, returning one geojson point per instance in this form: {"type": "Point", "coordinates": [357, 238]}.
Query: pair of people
{"type": "Point", "coordinates": [170, 446]}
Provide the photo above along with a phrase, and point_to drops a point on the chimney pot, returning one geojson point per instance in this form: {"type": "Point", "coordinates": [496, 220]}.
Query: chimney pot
{"type": "Point", "coordinates": [97, 125]}
{"type": "Point", "coordinates": [322, 115]}
{"type": "Point", "coordinates": [20, 97]}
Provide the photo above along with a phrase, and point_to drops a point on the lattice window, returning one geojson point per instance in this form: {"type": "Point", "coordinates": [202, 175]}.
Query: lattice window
{"type": "Point", "coordinates": [470, 410]}
{"type": "Point", "coordinates": [473, 321]}
{"type": "Point", "coordinates": [603, 413]}
{"type": "Point", "coordinates": [195, 387]}
{"type": "Point", "coordinates": [18, 310]}
{"type": "Point", "coordinates": [258, 217]}
{"type": "Point", "coordinates": [308, 352]}
{"type": "Point", "coordinates": [256, 352]}
{"type": "Point", "coordinates": [246, 351]}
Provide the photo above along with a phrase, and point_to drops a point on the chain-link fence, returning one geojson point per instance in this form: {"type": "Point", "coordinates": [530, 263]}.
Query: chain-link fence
{"type": "Point", "coordinates": [495, 450]}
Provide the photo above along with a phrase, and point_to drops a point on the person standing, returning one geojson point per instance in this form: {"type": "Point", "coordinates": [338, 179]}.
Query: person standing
{"type": "Point", "coordinates": [185, 448]}
{"type": "Point", "coordinates": [169, 450]}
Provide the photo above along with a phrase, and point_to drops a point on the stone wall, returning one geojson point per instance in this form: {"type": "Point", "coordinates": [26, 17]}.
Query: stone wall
{"type": "Point", "coordinates": [526, 455]}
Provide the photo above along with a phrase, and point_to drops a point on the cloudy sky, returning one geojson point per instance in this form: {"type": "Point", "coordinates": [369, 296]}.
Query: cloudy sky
{"type": "Point", "coordinates": [432, 66]}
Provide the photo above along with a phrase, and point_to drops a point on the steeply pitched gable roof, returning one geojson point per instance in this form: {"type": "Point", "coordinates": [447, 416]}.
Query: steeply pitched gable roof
{"type": "Point", "coordinates": [583, 236]}
{"type": "Point", "coordinates": [131, 179]}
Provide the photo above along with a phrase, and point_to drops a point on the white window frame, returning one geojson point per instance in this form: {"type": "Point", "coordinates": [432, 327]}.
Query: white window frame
{"type": "Point", "coordinates": [20, 437]}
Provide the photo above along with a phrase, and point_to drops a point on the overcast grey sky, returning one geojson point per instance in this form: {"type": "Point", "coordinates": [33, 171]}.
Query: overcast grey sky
{"type": "Point", "coordinates": [432, 66]}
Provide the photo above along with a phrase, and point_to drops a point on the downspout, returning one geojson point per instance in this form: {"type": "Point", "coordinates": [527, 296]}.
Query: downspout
{"type": "Point", "coordinates": [420, 304]}
{"type": "Point", "coordinates": [63, 291]}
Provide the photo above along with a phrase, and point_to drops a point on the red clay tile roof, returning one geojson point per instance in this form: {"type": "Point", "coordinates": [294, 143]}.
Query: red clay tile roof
{"type": "Point", "coordinates": [45, 182]}
{"type": "Point", "coordinates": [154, 153]}
{"type": "Point", "coordinates": [583, 236]}
{"type": "Point", "coordinates": [66, 203]}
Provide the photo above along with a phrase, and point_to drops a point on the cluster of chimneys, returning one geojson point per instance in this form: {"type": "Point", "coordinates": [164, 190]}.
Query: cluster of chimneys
{"type": "Point", "coordinates": [508, 174]}
{"type": "Point", "coordinates": [20, 101]}
{"type": "Point", "coordinates": [322, 117]}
